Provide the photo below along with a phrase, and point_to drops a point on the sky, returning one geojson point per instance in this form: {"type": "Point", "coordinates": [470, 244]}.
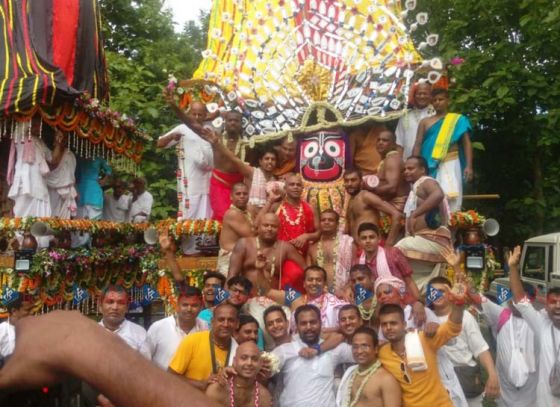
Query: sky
{"type": "Point", "coordinates": [184, 10]}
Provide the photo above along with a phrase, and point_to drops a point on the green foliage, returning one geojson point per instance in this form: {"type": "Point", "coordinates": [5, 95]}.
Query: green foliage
{"type": "Point", "coordinates": [142, 48]}
{"type": "Point", "coordinates": [508, 87]}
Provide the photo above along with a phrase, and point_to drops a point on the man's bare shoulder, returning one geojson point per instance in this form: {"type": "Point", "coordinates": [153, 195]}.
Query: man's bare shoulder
{"type": "Point", "coordinates": [265, 397]}
{"type": "Point", "coordinates": [218, 393]}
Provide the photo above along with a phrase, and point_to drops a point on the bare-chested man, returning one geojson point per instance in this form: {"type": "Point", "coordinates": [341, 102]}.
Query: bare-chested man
{"type": "Point", "coordinates": [392, 186]}
{"type": "Point", "coordinates": [237, 223]}
{"type": "Point", "coordinates": [265, 246]}
{"type": "Point", "coordinates": [367, 384]}
{"type": "Point", "coordinates": [225, 173]}
{"type": "Point", "coordinates": [299, 224]}
{"type": "Point", "coordinates": [333, 251]}
{"type": "Point", "coordinates": [364, 206]}
{"type": "Point", "coordinates": [242, 389]}
{"type": "Point", "coordinates": [426, 222]}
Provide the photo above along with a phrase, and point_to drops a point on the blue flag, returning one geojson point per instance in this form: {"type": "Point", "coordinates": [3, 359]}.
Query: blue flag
{"type": "Point", "coordinates": [149, 294]}
{"type": "Point", "coordinates": [80, 294]}
{"type": "Point", "coordinates": [362, 294]}
{"type": "Point", "coordinates": [9, 295]}
{"type": "Point", "coordinates": [220, 295]}
{"type": "Point", "coordinates": [290, 295]}
{"type": "Point", "coordinates": [504, 294]}
{"type": "Point", "coordinates": [432, 294]}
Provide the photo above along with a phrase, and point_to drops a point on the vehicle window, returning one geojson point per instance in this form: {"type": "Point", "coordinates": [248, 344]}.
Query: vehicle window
{"type": "Point", "coordinates": [535, 262]}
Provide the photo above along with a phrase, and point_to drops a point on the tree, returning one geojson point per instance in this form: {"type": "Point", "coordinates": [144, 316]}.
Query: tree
{"type": "Point", "coordinates": [142, 48]}
{"type": "Point", "coordinates": [508, 86]}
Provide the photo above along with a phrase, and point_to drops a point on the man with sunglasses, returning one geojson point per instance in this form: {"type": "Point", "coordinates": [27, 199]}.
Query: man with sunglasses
{"type": "Point", "coordinates": [419, 387]}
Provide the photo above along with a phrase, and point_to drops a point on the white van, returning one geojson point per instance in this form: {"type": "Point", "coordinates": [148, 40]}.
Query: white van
{"type": "Point", "coordinates": [540, 265]}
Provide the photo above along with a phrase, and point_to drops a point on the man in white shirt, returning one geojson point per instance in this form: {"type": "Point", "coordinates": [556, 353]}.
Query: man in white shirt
{"type": "Point", "coordinates": [113, 307]}
{"type": "Point", "coordinates": [17, 309]}
{"type": "Point", "coordinates": [465, 349]}
{"type": "Point", "coordinates": [195, 163]}
{"type": "Point", "coordinates": [196, 160]}
{"type": "Point", "coordinates": [116, 203]}
{"type": "Point", "coordinates": [407, 126]}
{"type": "Point", "coordinates": [309, 382]}
{"type": "Point", "coordinates": [142, 200]}
{"type": "Point", "coordinates": [545, 324]}
{"type": "Point", "coordinates": [165, 335]}
{"type": "Point", "coordinates": [512, 334]}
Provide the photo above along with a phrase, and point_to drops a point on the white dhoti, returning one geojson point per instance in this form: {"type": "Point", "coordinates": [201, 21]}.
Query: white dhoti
{"type": "Point", "coordinates": [424, 254]}
{"type": "Point", "coordinates": [61, 183]}
{"type": "Point", "coordinates": [223, 261]}
{"type": "Point", "coordinates": [63, 202]}
{"type": "Point", "coordinates": [450, 179]}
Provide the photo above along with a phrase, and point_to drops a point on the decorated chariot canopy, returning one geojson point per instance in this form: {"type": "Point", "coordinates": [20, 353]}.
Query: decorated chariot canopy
{"type": "Point", "coordinates": [53, 66]}
{"type": "Point", "coordinates": [274, 60]}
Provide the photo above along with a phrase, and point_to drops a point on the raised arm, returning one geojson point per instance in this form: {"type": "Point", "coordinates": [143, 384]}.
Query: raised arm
{"type": "Point", "coordinates": [237, 258]}
{"type": "Point", "coordinates": [168, 249]}
{"type": "Point", "coordinates": [165, 140]}
{"type": "Point", "coordinates": [467, 148]}
{"type": "Point", "coordinates": [188, 121]}
{"type": "Point", "coordinates": [245, 169]}
{"type": "Point", "coordinates": [514, 278]}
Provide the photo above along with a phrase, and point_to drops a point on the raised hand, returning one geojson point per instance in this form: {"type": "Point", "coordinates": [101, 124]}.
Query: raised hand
{"type": "Point", "coordinates": [514, 257]}
{"type": "Point", "coordinates": [169, 97]}
{"type": "Point", "coordinates": [451, 256]}
{"type": "Point", "coordinates": [166, 243]}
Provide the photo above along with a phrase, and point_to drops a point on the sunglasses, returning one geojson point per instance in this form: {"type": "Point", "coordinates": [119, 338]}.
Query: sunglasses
{"type": "Point", "coordinates": [406, 376]}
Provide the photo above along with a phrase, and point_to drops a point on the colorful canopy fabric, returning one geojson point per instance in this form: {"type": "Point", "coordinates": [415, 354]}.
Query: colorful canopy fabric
{"type": "Point", "coordinates": [275, 58]}
{"type": "Point", "coordinates": [50, 50]}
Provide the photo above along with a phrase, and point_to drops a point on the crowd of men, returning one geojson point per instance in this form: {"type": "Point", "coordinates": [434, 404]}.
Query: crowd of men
{"type": "Point", "coordinates": [326, 309]}
{"type": "Point", "coordinates": [45, 178]}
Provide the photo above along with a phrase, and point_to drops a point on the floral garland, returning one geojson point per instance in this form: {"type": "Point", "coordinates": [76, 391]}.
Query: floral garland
{"type": "Point", "coordinates": [176, 228]}
{"type": "Point", "coordinates": [94, 108]}
{"type": "Point", "coordinates": [55, 274]}
{"type": "Point", "coordinates": [463, 220]}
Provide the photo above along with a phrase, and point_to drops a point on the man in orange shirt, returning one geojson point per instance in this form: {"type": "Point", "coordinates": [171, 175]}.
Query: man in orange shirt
{"type": "Point", "coordinates": [419, 388]}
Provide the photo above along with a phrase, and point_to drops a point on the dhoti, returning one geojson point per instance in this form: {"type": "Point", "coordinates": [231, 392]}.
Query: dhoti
{"type": "Point", "coordinates": [423, 252]}
{"type": "Point", "coordinates": [450, 179]}
{"type": "Point", "coordinates": [223, 261]}
{"type": "Point", "coordinates": [220, 191]}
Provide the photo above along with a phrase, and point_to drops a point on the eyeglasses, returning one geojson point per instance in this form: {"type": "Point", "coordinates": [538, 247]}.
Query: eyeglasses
{"type": "Point", "coordinates": [406, 376]}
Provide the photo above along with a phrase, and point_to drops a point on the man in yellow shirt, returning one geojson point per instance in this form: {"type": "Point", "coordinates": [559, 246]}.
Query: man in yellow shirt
{"type": "Point", "coordinates": [419, 388]}
{"type": "Point", "coordinates": [203, 354]}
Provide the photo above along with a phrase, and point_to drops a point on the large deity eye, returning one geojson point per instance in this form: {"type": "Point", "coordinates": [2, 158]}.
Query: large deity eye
{"type": "Point", "coordinates": [311, 149]}
{"type": "Point", "coordinates": [332, 148]}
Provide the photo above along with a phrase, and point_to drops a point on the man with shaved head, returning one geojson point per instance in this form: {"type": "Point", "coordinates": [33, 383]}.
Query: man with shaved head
{"type": "Point", "coordinates": [195, 162]}
{"type": "Point", "coordinates": [242, 389]}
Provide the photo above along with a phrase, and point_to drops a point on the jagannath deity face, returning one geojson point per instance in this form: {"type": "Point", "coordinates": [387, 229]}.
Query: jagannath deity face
{"type": "Point", "coordinates": [322, 156]}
